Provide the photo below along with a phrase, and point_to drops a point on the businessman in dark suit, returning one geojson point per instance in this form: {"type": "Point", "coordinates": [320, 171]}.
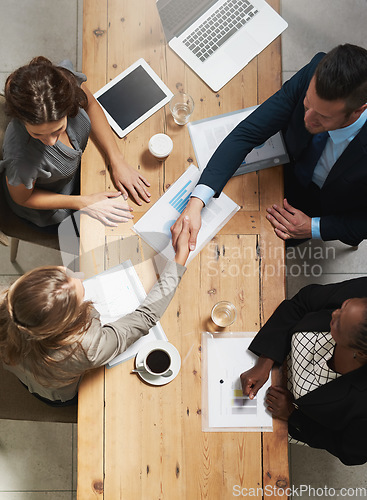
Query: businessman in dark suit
{"type": "Point", "coordinates": [332, 416]}
{"type": "Point", "coordinates": [326, 179]}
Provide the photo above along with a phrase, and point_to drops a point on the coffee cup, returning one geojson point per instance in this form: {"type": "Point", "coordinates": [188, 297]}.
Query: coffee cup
{"type": "Point", "coordinates": [157, 362]}
{"type": "Point", "coordinates": [160, 146]}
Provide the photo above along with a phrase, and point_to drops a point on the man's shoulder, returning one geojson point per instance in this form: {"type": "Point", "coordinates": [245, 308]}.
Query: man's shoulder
{"type": "Point", "coordinates": [315, 61]}
{"type": "Point", "coordinates": [317, 57]}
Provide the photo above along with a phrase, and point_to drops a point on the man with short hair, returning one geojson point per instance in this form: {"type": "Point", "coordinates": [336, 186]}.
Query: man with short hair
{"type": "Point", "coordinates": [322, 113]}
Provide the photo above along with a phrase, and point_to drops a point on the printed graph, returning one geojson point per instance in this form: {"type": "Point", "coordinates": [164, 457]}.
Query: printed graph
{"type": "Point", "coordinates": [181, 199]}
{"type": "Point", "coordinates": [241, 404]}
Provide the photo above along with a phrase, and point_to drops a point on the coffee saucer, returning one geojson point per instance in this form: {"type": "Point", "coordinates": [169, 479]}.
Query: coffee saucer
{"type": "Point", "coordinates": [175, 362]}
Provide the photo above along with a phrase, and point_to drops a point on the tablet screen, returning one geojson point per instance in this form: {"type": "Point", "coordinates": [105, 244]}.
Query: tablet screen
{"type": "Point", "coordinates": [131, 97]}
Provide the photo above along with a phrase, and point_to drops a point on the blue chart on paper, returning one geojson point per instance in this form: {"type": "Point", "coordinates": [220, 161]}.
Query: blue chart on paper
{"type": "Point", "coordinates": [181, 199]}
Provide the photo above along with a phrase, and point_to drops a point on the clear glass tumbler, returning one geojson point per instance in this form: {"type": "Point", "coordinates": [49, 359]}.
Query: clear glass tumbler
{"type": "Point", "coordinates": [224, 314]}
{"type": "Point", "coordinates": [181, 106]}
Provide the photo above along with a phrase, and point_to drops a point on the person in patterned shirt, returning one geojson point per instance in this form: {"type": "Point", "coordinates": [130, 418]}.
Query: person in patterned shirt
{"type": "Point", "coordinates": [323, 330]}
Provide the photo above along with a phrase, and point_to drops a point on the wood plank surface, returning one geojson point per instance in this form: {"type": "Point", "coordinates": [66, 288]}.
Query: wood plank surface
{"type": "Point", "coordinates": [272, 254]}
{"type": "Point", "coordinates": [141, 442]}
{"type": "Point", "coordinates": [90, 478]}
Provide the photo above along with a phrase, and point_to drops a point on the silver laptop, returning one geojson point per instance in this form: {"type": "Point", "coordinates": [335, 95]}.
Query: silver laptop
{"type": "Point", "coordinates": [218, 38]}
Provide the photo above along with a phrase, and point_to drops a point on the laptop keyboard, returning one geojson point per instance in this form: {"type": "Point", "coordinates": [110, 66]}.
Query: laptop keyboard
{"type": "Point", "coordinates": [219, 27]}
{"type": "Point", "coordinates": [175, 11]}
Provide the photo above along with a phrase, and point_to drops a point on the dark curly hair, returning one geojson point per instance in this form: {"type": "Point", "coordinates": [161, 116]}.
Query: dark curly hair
{"type": "Point", "coordinates": [41, 92]}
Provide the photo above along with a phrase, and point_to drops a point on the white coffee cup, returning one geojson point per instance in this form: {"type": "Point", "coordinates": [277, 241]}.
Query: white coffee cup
{"type": "Point", "coordinates": [160, 145]}
{"type": "Point", "coordinates": [157, 362]}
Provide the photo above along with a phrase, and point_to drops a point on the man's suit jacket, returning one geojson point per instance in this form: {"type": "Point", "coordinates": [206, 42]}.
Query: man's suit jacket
{"type": "Point", "coordinates": [333, 416]}
{"type": "Point", "coordinates": [341, 202]}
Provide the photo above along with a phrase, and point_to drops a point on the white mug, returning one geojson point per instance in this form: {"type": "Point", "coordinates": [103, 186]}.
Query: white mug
{"type": "Point", "coordinates": [157, 362]}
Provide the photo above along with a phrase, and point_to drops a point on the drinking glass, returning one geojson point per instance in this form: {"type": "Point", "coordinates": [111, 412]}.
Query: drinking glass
{"type": "Point", "coordinates": [181, 106]}
{"type": "Point", "coordinates": [224, 314]}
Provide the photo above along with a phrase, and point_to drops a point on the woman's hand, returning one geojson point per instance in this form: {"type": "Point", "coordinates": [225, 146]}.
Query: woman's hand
{"type": "Point", "coordinates": [280, 402]}
{"type": "Point", "coordinates": [193, 212]}
{"type": "Point", "coordinates": [109, 208]}
{"type": "Point", "coordinates": [182, 244]}
{"type": "Point", "coordinates": [252, 380]}
{"type": "Point", "coordinates": [127, 179]}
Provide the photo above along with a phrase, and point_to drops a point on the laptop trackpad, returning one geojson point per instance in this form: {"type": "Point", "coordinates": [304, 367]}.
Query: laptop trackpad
{"type": "Point", "coordinates": [242, 48]}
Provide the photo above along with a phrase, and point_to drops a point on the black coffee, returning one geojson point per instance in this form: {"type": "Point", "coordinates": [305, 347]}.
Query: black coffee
{"type": "Point", "coordinates": [158, 361]}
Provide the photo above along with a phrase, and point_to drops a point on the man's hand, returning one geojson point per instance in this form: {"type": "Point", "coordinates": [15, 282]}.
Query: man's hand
{"type": "Point", "coordinates": [279, 402]}
{"type": "Point", "coordinates": [289, 222]}
{"type": "Point", "coordinates": [182, 247]}
{"type": "Point", "coordinates": [193, 212]}
{"type": "Point", "coordinates": [127, 179]}
{"type": "Point", "coordinates": [252, 380]}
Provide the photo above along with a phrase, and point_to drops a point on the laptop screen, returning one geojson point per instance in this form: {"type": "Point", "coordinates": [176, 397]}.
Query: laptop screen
{"type": "Point", "coordinates": [177, 15]}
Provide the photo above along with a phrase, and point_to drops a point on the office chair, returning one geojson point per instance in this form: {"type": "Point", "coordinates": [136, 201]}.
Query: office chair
{"type": "Point", "coordinates": [17, 403]}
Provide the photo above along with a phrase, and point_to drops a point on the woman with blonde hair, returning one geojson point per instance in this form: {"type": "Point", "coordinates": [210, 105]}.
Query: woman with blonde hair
{"type": "Point", "coordinates": [53, 114]}
{"type": "Point", "coordinates": [50, 336]}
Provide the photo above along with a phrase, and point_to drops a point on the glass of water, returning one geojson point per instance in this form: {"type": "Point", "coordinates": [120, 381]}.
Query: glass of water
{"type": "Point", "coordinates": [181, 106]}
{"type": "Point", "coordinates": [224, 314]}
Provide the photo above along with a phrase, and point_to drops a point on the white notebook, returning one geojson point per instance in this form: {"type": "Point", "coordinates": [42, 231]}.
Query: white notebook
{"type": "Point", "coordinates": [224, 407]}
{"type": "Point", "coordinates": [118, 292]}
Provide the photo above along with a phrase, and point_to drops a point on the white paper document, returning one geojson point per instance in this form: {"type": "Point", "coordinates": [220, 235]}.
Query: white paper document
{"type": "Point", "coordinates": [207, 134]}
{"type": "Point", "coordinates": [118, 292]}
{"type": "Point", "coordinates": [154, 227]}
{"type": "Point", "coordinates": [224, 407]}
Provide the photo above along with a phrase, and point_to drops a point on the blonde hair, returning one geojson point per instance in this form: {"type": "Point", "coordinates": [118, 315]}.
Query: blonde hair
{"type": "Point", "coordinates": [42, 323]}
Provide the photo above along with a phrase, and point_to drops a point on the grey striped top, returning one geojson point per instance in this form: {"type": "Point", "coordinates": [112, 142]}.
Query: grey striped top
{"type": "Point", "coordinates": [54, 168]}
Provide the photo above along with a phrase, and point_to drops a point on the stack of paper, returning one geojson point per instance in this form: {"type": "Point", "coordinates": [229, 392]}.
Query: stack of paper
{"type": "Point", "coordinates": [154, 227]}
{"type": "Point", "coordinates": [224, 407]}
{"type": "Point", "coordinates": [207, 134]}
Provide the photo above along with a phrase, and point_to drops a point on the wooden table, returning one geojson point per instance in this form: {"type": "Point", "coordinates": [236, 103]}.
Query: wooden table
{"type": "Point", "coordinates": [141, 442]}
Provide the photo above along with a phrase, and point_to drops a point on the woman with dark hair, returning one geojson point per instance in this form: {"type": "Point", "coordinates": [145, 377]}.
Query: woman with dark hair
{"type": "Point", "coordinates": [323, 331]}
{"type": "Point", "coordinates": [53, 114]}
{"type": "Point", "coordinates": [49, 336]}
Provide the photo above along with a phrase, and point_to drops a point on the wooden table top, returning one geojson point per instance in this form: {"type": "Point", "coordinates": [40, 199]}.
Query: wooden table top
{"type": "Point", "coordinates": [137, 441]}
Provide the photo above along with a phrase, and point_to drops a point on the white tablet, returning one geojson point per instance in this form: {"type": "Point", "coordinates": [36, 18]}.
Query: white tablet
{"type": "Point", "coordinates": [133, 96]}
